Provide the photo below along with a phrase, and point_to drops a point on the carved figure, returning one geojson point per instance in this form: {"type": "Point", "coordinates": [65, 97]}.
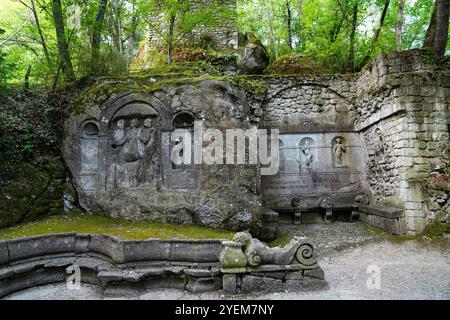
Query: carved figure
{"type": "Point", "coordinates": [298, 250]}
{"type": "Point", "coordinates": [148, 138]}
{"type": "Point", "coordinates": [309, 157]}
{"type": "Point", "coordinates": [135, 149]}
{"type": "Point", "coordinates": [338, 150]}
{"type": "Point", "coordinates": [379, 147]}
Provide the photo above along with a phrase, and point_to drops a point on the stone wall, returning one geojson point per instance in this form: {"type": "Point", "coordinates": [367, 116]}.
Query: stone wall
{"type": "Point", "coordinates": [403, 112]}
{"type": "Point", "coordinates": [223, 35]}
{"type": "Point", "coordinates": [119, 154]}
{"type": "Point", "coordinates": [371, 139]}
{"type": "Point", "coordinates": [399, 107]}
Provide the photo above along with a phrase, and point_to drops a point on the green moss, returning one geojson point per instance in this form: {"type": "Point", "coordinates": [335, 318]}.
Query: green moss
{"type": "Point", "coordinates": [248, 84]}
{"type": "Point", "coordinates": [281, 240]}
{"type": "Point", "coordinates": [292, 64]}
{"type": "Point", "coordinates": [432, 235]}
{"type": "Point", "coordinates": [129, 230]}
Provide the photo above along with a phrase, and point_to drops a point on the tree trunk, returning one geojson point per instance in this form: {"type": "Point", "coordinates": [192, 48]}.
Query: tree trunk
{"type": "Point", "coordinates": [41, 35]}
{"type": "Point", "coordinates": [289, 24]}
{"type": "Point", "coordinates": [399, 25]}
{"type": "Point", "coordinates": [441, 28]}
{"type": "Point", "coordinates": [26, 85]}
{"type": "Point", "coordinates": [170, 39]}
{"type": "Point", "coordinates": [377, 33]}
{"type": "Point", "coordinates": [273, 36]}
{"type": "Point", "coordinates": [431, 31]}
{"type": "Point", "coordinates": [63, 49]}
{"type": "Point", "coordinates": [380, 26]}
{"type": "Point", "coordinates": [96, 34]}
{"type": "Point", "coordinates": [351, 53]}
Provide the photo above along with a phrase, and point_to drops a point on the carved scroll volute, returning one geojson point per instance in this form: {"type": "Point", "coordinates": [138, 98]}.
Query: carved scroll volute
{"type": "Point", "coordinates": [305, 254]}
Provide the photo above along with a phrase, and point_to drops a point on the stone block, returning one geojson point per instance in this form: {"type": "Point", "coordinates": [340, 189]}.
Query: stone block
{"type": "Point", "coordinates": [108, 246]}
{"type": "Point", "coordinates": [195, 250]}
{"type": "Point", "coordinates": [31, 247]}
{"type": "Point", "coordinates": [314, 273]}
{"type": "Point", "coordinates": [4, 253]}
{"type": "Point", "coordinates": [229, 283]}
{"type": "Point", "coordinates": [147, 250]}
{"type": "Point", "coordinates": [196, 285]}
{"type": "Point", "coordinates": [82, 243]}
{"type": "Point", "coordinates": [260, 284]}
{"type": "Point", "coordinates": [295, 275]}
{"type": "Point", "coordinates": [168, 282]}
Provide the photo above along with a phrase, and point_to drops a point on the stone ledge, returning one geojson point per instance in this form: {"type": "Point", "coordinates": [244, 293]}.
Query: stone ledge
{"type": "Point", "coordinates": [391, 220]}
{"type": "Point", "coordinates": [385, 212]}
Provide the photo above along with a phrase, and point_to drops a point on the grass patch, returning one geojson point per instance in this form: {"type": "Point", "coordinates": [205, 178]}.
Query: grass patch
{"type": "Point", "coordinates": [128, 230]}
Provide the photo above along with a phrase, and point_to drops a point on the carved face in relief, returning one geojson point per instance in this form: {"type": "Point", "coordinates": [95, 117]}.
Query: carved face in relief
{"type": "Point", "coordinates": [148, 123]}
{"type": "Point", "coordinates": [134, 123]}
{"type": "Point", "coordinates": [121, 124]}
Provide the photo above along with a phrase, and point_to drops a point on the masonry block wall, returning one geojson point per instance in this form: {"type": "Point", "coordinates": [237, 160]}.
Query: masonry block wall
{"type": "Point", "coordinates": [399, 105]}
{"type": "Point", "coordinates": [404, 102]}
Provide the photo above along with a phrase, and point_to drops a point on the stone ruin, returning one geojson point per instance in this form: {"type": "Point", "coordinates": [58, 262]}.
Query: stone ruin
{"type": "Point", "coordinates": [350, 146]}
{"type": "Point", "coordinates": [223, 35]}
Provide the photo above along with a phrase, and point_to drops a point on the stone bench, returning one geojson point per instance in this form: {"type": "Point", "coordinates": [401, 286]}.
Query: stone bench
{"type": "Point", "coordinates": [389, 219]}
{"type": "Point", "coordinates": [122, 267]}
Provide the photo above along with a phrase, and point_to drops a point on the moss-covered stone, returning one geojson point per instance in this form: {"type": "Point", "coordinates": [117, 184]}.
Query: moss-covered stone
{"type": "Point", "coordinates": [30, 191]}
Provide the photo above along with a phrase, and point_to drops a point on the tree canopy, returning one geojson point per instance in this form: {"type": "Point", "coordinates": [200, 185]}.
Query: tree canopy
{"type": "Point", "coordinates": [56, 41]}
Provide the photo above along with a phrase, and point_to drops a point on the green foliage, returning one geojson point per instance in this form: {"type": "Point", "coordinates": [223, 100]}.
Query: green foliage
{"type": "Point", "coordinates": [321, 29]}
{"type": "Point", "coordinates": [28, 126]}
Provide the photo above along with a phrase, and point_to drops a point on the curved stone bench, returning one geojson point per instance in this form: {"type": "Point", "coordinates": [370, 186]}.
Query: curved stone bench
{"type": "Point", "coordinates": [122, 267]}
{"type": "Point", "coordinates": [119, 266]}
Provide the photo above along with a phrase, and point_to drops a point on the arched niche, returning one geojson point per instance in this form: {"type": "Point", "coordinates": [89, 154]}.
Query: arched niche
{"type": "Point", "coordinates": [89, 147]}
{"type": "Point", "coordinates": [183, 121]}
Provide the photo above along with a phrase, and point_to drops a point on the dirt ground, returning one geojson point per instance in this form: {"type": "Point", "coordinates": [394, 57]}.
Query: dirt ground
{"type": "Point", "coordinates": [358, 264]}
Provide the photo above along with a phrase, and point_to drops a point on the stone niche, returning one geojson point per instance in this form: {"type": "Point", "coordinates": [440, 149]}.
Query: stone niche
{"type": "Point", "coordinates": [317, 170]}
{"type": "Point", "coordinates": [119, 156]}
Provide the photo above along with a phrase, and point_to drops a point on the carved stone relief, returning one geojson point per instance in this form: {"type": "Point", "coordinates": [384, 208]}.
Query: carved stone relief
{"type": "Point", "coordinates": [339, 152]}
{"type": "Point", "coordinates": [133, 147]}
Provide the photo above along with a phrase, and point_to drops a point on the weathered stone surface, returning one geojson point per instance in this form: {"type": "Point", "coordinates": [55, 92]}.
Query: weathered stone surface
{"type": "Point", "coordinates": [23, 248]}
{"type": "Point", "coordinates": [229, 283]}
{"type": "Point", "coordinates": [108, 246]}
{"type": "Point", "coordinates": [314, 273]}
{"type": "Point", "coordinates": [253, 57]}
{"type": "Point", "coordinates": [148, 250]}
{"type": "Point", "coordinates": [385, 212]}
{"type": "Point", "coordinates": [4, 253]}
{"type": "Point", "coordinates": [260, 284]}
{"type": "Point", "coordinates": [146, 185]}
{"type": "Point", "coordinates": [195, 250]}
{"type": "Point", "coordinates": [203, 284]}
